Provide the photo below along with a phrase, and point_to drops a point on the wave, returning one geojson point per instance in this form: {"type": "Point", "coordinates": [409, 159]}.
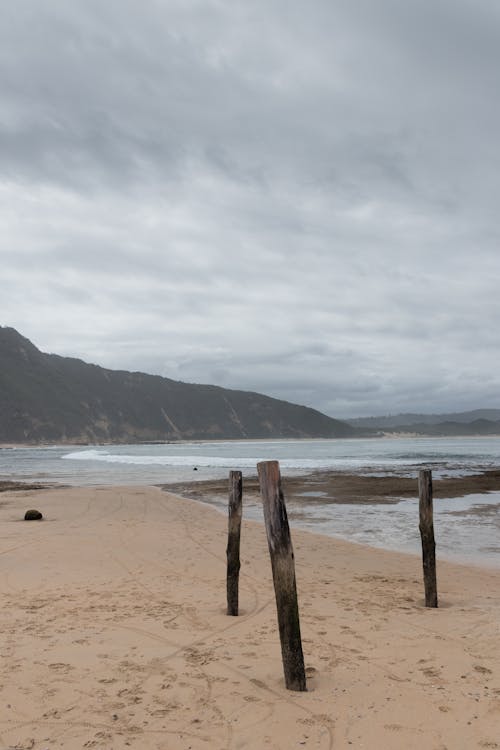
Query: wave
{"type": "Point", "coordinates": [236, 462]}
{"type": "Point", "coordinates": [192, 460]}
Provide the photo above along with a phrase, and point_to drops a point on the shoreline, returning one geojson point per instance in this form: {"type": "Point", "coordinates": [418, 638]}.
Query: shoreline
{"type": "Point", "coordinates": [332, 486]}
{"type": "Point", "coordinates": [380, 435]}
{"type": "Point", "coordinates": [312, 500]}
{"type": "Point", "coordinates": [115, 635]}
{"type": "Point", "coordinates": [380, 512]}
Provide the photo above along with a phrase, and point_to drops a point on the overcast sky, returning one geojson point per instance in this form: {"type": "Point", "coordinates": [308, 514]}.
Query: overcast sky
{"type": "Point", "coordinates": [297, 198]}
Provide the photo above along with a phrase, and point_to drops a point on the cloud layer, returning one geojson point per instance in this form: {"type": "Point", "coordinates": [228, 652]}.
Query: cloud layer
{"type": "Point", "coordinates": [299, 199]}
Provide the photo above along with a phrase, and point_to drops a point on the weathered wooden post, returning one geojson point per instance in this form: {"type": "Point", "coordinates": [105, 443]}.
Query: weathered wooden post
{"type": "Point", "coordinates": [283, 567]}
{"type": "Point", "coordinates": [233, 541]}
{"type": "Point", "coordinates": [427, 533]}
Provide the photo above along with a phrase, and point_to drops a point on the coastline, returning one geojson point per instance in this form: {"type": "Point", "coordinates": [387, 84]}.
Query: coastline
{"type": "Point", "coordinates": [379, 510]}
{"type": "Point", "coordinates": [380, 435]}
{"type": "Point", "coordinates": [330, 485]}
{"type": "Point", "coordinates": [115, 635]}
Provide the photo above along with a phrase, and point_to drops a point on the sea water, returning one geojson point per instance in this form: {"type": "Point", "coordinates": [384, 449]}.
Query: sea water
{"type": "Point", "coordinates": [467, 528]}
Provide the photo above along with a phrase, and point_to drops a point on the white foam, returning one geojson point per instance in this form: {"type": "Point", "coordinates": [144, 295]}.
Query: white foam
{"type": "Point", "coordinates": [192, 460]}
{"type": "Point", "coordinates": [238, 462]}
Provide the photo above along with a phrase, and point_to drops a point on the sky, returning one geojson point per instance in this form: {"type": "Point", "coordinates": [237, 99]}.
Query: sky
{"type": "Point", "coordinates": [299, 199]}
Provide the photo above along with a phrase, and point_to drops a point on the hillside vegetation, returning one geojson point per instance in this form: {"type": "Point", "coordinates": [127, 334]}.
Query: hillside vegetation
{"type": "Point", "coordinates": [48, 398]}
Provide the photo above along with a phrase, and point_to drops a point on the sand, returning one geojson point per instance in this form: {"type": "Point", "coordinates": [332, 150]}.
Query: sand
{"type": "Point", "coordinates": [114, 635]}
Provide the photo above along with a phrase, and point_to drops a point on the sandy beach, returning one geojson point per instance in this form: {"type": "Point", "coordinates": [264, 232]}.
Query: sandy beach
{"type": "Point", "coordinates": [114, 635]}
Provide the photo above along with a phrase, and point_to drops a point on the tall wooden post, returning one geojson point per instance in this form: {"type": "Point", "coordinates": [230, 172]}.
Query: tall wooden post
{"type": "Point", "coordinates": [283, 567]}
{"type": "Point", "coordinates": [233, 541]}
{"type": "Point", "coordinates": [427, 533]}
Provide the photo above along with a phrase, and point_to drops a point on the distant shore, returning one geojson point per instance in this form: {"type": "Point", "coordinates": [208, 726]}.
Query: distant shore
{"type": "Point", "coordinates": [378, 435]}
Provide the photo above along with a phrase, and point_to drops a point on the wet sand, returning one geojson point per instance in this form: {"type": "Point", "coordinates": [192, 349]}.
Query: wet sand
{"type": "Point", "coordinates": [114, 636]}
{"type": "Point", "coordinates": [330, 486]}
{"type": "Point", "coordinates": [341, 487]}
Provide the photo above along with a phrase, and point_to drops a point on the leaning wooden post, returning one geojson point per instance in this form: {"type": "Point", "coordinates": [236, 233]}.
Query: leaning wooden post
{"type": "Point", "coordinates": [283, 567]}
{"type": "Point", "coordinates": [233, 541]}
{"type": "Point", "coordinates": [427, 534]}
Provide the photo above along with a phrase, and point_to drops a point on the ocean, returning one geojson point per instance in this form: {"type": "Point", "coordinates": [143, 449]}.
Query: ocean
{"type": "Point", "coordinates": [467, 528]}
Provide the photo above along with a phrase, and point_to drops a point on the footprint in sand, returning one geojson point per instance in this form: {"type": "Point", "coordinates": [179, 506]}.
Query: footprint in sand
{"type": "Point", "coordinates": [61, 667]}
{"type": "Point", "coordinates": [482, 670]}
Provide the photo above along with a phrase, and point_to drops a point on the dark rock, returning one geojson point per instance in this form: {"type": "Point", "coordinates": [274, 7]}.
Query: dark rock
{"type": "Point", "coordinates": [33, 515]}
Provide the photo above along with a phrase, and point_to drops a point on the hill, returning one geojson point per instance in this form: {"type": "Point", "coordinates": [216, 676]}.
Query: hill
{"type": "Point", "coordinates": [397, 420]}
{"type": "Point", "coordinates": [49, 398]}
{"type": "Point", "coordinates": [475, 422]}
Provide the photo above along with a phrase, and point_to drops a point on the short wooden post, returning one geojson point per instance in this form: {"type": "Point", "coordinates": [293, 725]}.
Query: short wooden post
{"type": "Point", "coordinates": [427, 533]}
{"type": "Point", "coordinates": [283, 567]}
{"type": "Point", "coordinates": [233, 541]}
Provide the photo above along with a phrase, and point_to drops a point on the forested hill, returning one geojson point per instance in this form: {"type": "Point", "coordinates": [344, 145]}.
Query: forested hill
{"type": "Point", "coordinates": [49, 398]}
{"type": "Point", "coordinates": [476, 422]}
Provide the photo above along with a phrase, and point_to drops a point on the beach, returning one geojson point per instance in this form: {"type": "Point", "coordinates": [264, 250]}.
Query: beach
{"type": "Point", "coordinates": [115, 635]}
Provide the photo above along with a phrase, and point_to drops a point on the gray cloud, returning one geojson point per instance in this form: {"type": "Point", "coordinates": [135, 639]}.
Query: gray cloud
{"type": "Point", "coordinates": [300, 201]}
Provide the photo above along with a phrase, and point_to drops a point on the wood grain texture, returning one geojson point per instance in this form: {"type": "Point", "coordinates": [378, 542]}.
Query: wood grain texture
{"type": "Point", "coordinates": [235, 509]}
{"type": "Point", "coordinates": [283, 568]}
{"type": "Point", "coordinates": [427, 535]}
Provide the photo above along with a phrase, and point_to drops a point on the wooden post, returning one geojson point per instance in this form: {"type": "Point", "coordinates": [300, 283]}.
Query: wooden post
{"type": "Point", "coordinates": [233, 541]}
{"type": "Point", "coordinates": [427, 533]}
{"type": "Point", "coordinates": [283, 567]}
